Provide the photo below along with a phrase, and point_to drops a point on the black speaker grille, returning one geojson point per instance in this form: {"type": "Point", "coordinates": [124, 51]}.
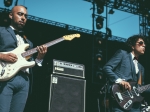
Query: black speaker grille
{"type": "Point", "coordinates": [67, 94]}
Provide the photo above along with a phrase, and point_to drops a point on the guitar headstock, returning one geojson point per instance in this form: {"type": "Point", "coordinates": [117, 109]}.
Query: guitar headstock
{"type": "Point", "coordinates": [72, 36]}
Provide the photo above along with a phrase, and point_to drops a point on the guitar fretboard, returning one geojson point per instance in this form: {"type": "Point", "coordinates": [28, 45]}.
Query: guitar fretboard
{"type": "Point", "coordinates": [34, 50]}
{"type": "Point", "coordinates": [143, 88]}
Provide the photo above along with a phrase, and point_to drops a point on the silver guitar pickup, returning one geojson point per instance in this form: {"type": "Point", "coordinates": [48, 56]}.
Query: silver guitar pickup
{"type": "Point", "coordinates": [119, 96]}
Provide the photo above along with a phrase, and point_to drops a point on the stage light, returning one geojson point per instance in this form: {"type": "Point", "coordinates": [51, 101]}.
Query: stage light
{"type": "Point", "coordinates": [99, 56]}
{"type": "Point", "coordinates": [109, 32]}
{"type": "Point", "coordinates": [8, 3]}
{"type": "Point", "coordinates": [100, 9]}
{"type": "Point", "coordinates": [99, 39]}
{"type": "Point", "coordinates": [99, 74]}
{"type": "Point", "coordinates": [100, 6]}
{"type": "Point", "coordinates": [99, 22]}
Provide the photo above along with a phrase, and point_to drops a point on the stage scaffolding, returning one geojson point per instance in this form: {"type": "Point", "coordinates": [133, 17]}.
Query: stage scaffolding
{"type": "Point", "coordinates": [63, 25]}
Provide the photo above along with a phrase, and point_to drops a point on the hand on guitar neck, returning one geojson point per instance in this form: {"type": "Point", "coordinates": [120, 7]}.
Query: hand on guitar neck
{"type": "Point", "coordinates": [9, 57]}
{"type": "Point", "coordinates": [125, 85]}
{"type": "Point", "coordinates": [42, 50]}
{"type": "Point", "coordinates": [12, 58]}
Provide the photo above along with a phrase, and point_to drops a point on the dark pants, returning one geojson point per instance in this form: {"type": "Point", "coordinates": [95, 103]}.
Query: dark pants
{"type": "Point", "coordinates": [115, 107]}
{"type": "Point", "coordinates": [14, 93]}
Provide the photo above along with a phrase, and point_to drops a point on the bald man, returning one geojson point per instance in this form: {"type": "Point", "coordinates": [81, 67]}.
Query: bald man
{"type": "Point", "coordinates": [14, 92]}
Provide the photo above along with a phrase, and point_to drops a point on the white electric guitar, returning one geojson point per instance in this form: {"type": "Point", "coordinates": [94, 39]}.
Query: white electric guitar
{"type": "Point", "coordinates": [8, 70]}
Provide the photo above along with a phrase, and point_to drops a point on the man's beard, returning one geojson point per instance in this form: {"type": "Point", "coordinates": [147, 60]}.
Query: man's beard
{"type": "Point", "coordinates": [20, 27]}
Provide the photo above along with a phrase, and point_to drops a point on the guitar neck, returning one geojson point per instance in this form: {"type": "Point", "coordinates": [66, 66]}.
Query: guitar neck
{"type": "Point", "coordinates": [34, 50]}
{"type": "Point", "coordinates": [143, 88]}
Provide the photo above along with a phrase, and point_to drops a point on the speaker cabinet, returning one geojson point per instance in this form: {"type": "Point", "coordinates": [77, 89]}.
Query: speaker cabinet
{"type": "Point", "coordinates": [67, 94]}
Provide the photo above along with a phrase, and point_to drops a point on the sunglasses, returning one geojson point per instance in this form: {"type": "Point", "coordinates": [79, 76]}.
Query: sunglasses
{"type": "Point", "coordinates": [141, 43]}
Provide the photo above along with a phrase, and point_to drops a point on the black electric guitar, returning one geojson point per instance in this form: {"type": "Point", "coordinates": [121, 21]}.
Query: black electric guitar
{"type": "Point", "coordinates": [8, 70]}
{"type": "Point", "coordinates": [126, 98]}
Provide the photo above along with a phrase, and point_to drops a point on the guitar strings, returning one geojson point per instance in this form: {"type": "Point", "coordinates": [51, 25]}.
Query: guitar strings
{"type": "Point", "coordinates": [126, 94]}
{"type": "Point", "coordinates": [132, 92]}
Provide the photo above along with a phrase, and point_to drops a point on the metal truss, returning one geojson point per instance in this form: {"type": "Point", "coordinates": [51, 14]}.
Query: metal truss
{"type": "Point", "coordinates": [4, 9]}
{"type": "Point", "coordinates": [126, 6]}
{"type": "Point", "coordinates": [70, 27]}
{"type": "Point", "coordinates": [62, 25]}
{"type": "Point", "coordinates": [131, 6]}
{"type": "Point", "coordinates": [144, 27]}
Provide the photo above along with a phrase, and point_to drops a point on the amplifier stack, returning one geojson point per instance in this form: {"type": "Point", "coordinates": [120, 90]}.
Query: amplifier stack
{"type": "Point", "coordinates": [67, 87]}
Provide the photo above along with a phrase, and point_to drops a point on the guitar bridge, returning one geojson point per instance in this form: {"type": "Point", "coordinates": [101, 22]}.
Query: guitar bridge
{"type": "Point", "coordinates": [2, 72]}
{"type": "Point", "coordinates": [119, 96]}
{"type": "Point", "coordinates": [128, 104]}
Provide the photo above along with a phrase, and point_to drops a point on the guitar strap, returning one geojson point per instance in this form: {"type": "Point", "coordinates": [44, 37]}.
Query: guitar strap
{"type": "Point", "coordinates": [25, 39]}
{"type": "Point", "coordinates": [140, 79]}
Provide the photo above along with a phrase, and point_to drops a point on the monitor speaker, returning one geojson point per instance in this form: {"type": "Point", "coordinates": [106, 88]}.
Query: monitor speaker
{"type": "Point", "coordinates": [67, 94]}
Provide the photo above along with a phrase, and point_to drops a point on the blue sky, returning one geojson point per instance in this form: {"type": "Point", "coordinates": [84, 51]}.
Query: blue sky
{"type": "Point", "coordinates": [78, 13]}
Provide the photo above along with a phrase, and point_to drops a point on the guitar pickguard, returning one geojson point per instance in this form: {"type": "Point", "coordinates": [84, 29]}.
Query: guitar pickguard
{"type": "Point", "coordinates": [126, 98]}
